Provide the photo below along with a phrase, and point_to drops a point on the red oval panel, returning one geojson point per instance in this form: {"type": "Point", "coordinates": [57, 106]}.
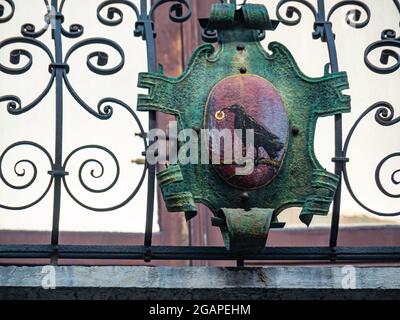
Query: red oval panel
{"type": "Point", "coordinates": [247, 102]}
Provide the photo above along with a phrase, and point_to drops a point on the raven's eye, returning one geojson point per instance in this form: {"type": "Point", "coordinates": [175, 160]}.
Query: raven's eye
{"type": "Point", "coordinates": [219, 115]}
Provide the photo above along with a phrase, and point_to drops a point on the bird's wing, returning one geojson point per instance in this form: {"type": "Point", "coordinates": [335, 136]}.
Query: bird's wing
{"type": "Point", "coordinates": [257, 127]}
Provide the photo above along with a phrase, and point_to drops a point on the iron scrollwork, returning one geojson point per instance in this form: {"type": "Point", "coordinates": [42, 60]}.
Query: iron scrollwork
{"type": "Point", "coordinates": [384, 111]}
{"type": "Point", "coordinates": [384, 116]}
{"type": "Point", "coordinates": [294, 11]}
{"type": "Point", "coordinates": [20, 171]}
{"type": "Point", "coordinates": [14, 105]}
{"type": "Point", "coordinates": [97, 61]}
{"type": "Point", "coordinates": [388, 39]}
{"type": "Point", "coordinates": [114, 15]}
{"type": "Point", "coordinates": [293, 15]}
{"type": "Point", "coordinates": [176, 10]}
{"type": "Point", "coordinates": [11, 6]}
{"type": "Point", "coordinates": [59, 68]}
{"type": "Point", "coordinates": [357, 18]}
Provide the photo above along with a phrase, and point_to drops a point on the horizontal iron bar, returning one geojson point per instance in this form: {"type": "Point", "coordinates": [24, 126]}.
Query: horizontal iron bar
{"type": "Point", "coordinates": [200, 253]}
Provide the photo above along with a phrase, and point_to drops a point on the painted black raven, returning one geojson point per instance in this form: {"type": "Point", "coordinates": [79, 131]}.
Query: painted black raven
{"type": "Point", "coordinates": [262, 137]}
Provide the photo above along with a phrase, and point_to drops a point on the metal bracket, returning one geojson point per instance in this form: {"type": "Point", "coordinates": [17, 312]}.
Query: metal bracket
{"type": "Point", "coordinates": [54, 254]}
{"type": "Point", "coordinates": [147, 255]}
{"type": "Point", "coordinates": [53, 66]}
{"type": "Point", "coordinates": [333, 254]}
{"type": "Point", "coordinates": [140, 27]}
{"type": "Point", "coordinates": [58, 172]}
{"type": "Point", "coordinates": [319, 30]}
{"type": "Point", "coordinates": [340, 159]}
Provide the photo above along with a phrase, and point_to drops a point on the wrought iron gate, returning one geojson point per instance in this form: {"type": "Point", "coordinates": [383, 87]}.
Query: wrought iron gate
{"type": "Point", "coordinates": [179, 11]}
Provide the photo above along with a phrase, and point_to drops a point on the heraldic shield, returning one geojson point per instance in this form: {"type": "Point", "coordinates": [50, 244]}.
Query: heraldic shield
{"type": "Point", "coordinates": [241, 86]}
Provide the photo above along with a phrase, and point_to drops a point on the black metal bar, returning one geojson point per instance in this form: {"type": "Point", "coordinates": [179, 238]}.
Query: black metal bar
{"type": "Point", "coordinates": [56, 34]}
{"type": "Point", "coordinates": [200, 253]}
{"type": "Point", "coordinates": [148, 34]}
{"type": "Point", "coordinates": [326, 35]}
{"type": "Point", "coordinates": [338, 154]}
{"type": "Point", "coordinates": [397, 4]}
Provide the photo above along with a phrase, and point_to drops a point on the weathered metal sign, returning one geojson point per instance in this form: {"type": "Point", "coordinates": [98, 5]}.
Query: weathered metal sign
{"type": "Point", "coordinates": [241, 86]}
{"type": "Point", "coordinates": [235, 103]}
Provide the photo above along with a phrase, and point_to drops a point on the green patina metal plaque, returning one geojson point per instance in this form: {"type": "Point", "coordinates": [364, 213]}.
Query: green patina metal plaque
{"type": "Point", "coordinates": [241, 86]}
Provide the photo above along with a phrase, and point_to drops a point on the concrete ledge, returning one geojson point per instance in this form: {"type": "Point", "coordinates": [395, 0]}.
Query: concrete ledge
{"type": "Point", "coordinates": [77, 282]}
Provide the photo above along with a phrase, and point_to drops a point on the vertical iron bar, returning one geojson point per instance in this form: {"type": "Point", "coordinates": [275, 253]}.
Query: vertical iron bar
{"type": "Point", "coordinates": [330, 40]}
{"type": "Point", "coordinates": [151, 66]}
{"type": "Point", "coordinates": [397, 4]}
{"type": "Point", "coordinates": [56, 35]}
{"type": "Point", "coordinates": [338, 145]}
{"type": "Point", "coordinates": [240, 263]}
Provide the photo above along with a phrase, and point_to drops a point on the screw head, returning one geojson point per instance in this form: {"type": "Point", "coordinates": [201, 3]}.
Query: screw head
{"type": "Point", "coordinates": [244, 196]}
{"type": "Point", "coordinates": [295, 131]}
{"type": "Point", "coordinates": [243, 69]}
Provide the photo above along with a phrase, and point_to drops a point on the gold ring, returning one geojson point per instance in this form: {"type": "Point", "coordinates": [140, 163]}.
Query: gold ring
{"type": "Point", "coordinates": [220, 115]}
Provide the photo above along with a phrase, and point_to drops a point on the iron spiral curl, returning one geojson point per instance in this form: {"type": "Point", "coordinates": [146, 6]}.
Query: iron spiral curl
{"type": "Point", "coordinates": [8, 17]}
{"type": "Point", "coordinates": [393, 177]}
{"type": "Point", "coordinates": [353, 16]}
{"type": "Point", "coordinates": [114, 15]}
{"type": "Point", "coordinates": [29, 29]}
{"type": "Point", "coordinates": [176, 10]}
{"type": "Point", "coordinates": [93, 171]}
{"type": "Point", "coordinates": [14, 105]}
{"type": "Point", "coordinates": [384, 115]}
{"type": "Point", "coordinates": [75, 29]}
{"type": "Point", "coordinates": [293, 15]}
{"type": "Point", "coordinates": [20, 171]}
{"type": "Point", "coordinates": [105, 112]}
{"type": "Point", "coordinates": [101, 166]}
{"type": "Point", "coordinates": [97, 62]}
{"type": "Point", "coordinates": [388, 39]}
{"type": "Point", "coordinates": [292, 11]}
